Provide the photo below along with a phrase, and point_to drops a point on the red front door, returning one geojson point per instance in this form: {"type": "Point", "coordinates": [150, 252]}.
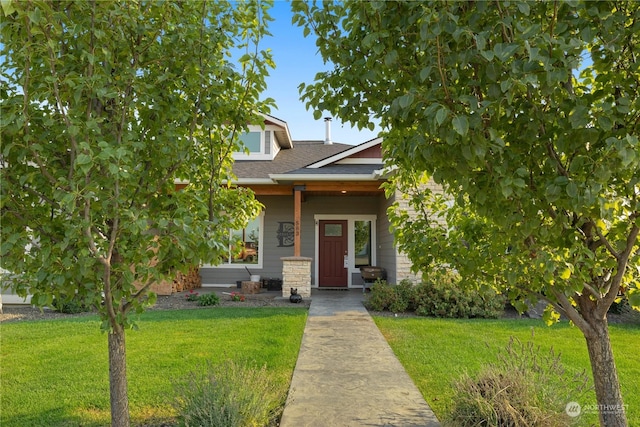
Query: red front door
{"type": "Point", "coordinates": [332, 253]}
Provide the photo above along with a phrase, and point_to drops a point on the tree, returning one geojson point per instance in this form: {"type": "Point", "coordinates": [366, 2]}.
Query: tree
{"type": "Point", "coordinates": [527, 114]}
{"type": "Point", "coordinates": [104, 106]}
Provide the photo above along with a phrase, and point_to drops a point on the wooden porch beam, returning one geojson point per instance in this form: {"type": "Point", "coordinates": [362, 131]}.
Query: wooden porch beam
{"type": "Point", "coordinates": [343, 186]}
{"type": "Point", "coordinates": [331, 186]}
{"type": "Point", "coordinates": [297, 209]}
{"type": "Point", "coordinates": [272, 190]}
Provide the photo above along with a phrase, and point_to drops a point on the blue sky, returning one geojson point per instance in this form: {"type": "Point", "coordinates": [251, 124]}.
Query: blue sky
{"type": "Point", "coordinates": [297, 61]}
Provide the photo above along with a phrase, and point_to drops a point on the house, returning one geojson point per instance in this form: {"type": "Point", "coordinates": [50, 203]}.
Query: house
{"type": "Point", "coordinates": [324, 216]}
{"type": "Point", "coordinates": [324, 213]}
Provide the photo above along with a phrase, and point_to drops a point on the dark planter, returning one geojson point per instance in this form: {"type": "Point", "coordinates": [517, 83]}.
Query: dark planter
{"type": "Point", "coordinates": [274, 284]}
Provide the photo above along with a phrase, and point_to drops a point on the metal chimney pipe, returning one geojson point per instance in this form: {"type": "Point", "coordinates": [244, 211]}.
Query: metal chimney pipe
{"type": "Point", "coordinates": [327, 126]}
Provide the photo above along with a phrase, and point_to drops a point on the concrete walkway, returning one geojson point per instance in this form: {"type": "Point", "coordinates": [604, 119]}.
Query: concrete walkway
{"type": "Point", "coordinates": [346, 373]}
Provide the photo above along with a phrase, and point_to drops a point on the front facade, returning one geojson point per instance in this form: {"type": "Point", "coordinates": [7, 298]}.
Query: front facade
{"type": "Point", "coordinates": [323, 202]}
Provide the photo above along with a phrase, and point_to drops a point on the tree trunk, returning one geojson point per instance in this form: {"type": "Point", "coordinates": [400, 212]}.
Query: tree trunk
{"type": "Point", "coordinates": [118, 379]}
{"type": "Point", "coordinates": [605, 375]}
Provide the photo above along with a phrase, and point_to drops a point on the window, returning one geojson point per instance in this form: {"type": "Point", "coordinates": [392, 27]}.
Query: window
{"type": "Point", "coordinates": [248, 251]}
{"type": "Point", "coordinates": [333, 230]}
{"type": "Point", "coordinates": [257, 144]}
{"type": "Point", "coordinates": [362, 239]}
{"type": "Point", "coordinates": [252, 141]}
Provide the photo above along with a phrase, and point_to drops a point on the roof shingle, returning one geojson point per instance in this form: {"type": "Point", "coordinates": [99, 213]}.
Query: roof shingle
{"type": "Point", "coordinates": [302, 154]}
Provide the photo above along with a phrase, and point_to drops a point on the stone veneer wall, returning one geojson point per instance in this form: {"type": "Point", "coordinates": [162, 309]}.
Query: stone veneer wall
{"type": "Point", "coordinates": [403, 264]}
{"type": "Point", "coordinates": [296, 273]}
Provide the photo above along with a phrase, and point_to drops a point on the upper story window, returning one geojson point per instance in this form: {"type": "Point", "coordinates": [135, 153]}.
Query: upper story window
{"type": "Point", "coordinates": [259, 144]}
{"type": "Point", "coordinates": [252, 141]}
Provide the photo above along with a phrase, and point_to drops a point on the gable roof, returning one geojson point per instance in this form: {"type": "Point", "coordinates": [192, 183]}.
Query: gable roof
{"type": "Point", "coordinates": [353, 151]}
{"type": "Point", "coordinates": [304, 153]}
{"type": "Point", "coordinates": [283, 134]}
{"type": "Point", "coordinates": [315, 161]}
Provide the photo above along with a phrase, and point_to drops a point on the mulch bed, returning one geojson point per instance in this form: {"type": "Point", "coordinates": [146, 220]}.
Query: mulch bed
{"type": "Point", "coordinates": [177, 301]}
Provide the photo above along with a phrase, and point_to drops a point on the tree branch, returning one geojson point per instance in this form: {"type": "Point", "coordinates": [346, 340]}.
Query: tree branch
{"type": "Point", "coordinates": [441, 71]}
{"type": "Point", "coordinates": [570, 311]}
{"type": "Point", "coordinates": [552, 26]}
{"type": "Point", "coordinates": [605, 241]}
{"type": "Point", "coordinates": [56, 91]}
{"type": "Point", "coordinates": [592, 291]}
{"type": "Point", "coordinates": [554, 155]}
{"type": "Point", "coordinates": [616, 280]}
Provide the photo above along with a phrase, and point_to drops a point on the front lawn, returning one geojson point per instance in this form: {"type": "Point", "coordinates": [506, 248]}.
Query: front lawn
{"type": "Point", "coordinates": [55, 373]}
{"type": "Point", "coordinates": [436, 351]}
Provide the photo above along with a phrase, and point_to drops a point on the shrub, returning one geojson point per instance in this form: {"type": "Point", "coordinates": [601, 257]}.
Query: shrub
{"type": "Point", "coordinates": [70, 305]}
{"type": "Point", "coordinates": [404, 297]}
{"type": "Point", "coordinates": [230, 394]}
{"type": "Point", "coordinates": [523, 388]}
{"type": "Point", "coordinates": [192, 295]}
{"type": "Point", "coordinates": [620, 306]}
{"type": "Point", "coordinates": [235, 296]}
{"type": "Point", "coordinates": [397, 298]}
{"type": "Point", "coordinates": [381, 296]}
{"type": "Point", "coordinates": [209, 299]}
{"type": "Point", "coordinates": [443, 295]}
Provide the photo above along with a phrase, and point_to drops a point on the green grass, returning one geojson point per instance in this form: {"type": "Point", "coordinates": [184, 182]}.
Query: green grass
{"type": "Point", "coordinates": [436, 351]}
{"type": "Point", "coordinates": [55, 373]}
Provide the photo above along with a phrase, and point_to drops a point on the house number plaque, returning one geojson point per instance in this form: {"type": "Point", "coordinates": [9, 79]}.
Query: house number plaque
{"type": "Point", "coordinates": [285, 234]}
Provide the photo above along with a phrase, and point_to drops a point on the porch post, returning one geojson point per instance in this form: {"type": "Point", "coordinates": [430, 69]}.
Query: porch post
{"type": "Point", "coordinates": [297, 208]}
{"type": "Point", "coordinates": [296, 273]}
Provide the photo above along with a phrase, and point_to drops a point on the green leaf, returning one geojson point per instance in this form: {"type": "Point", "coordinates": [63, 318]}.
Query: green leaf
{"type": "Point", "coordinates": [460, 125]}
{"type": "Point", "coordinates": [579, 117]}
{"type": "Point", "coordinates": [504, 51]}
{"type": "Point", "coordinates": [507, 191]}
{"type": "Point", "coordinates": [425, 73]}
{"type": "Point", "coordinates": [572, 190]}
{"type": "Point", "coordinates": [35, 16]}
{"type": "Point", "coordinates": [488, 55]}
{"type": "Point", "coordinates": [113, 169]}
{"type": "Point", "coordinates": [7, 7]}
{"type": "Point", "coordinates": [605, 123]}
{"type": "Point", "coordinates": [550, 316]}
{"type": "Point", "coordinates": [523, 7]}
{"type": "Point", "coordinates": [83, 159]}
{"type": "Point", "coordinates": [406, 100]}
{"type": "Point", "coordinates": [441, 115]}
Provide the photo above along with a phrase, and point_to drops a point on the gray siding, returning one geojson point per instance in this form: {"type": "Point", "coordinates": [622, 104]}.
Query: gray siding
{"type": "Point", "coordinates": [280, 209]}
{"type": "Point", "coordinates": [387, 257]}
{"type": "Point", "coordinates": [277, 208]}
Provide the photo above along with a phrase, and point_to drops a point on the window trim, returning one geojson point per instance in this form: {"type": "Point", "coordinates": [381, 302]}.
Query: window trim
{"type": "Point", "coordinates": [273, 150]}
{"type": "Point", "coordinates": [241, 266]}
